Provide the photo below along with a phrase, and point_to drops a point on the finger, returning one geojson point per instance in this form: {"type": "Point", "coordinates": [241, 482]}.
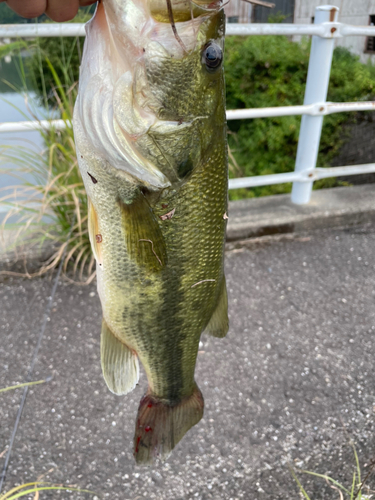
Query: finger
{"type": "Point", "coordinates": [30, 8]}
{"type": "Point", "coordinates": [84, 3]}
{"type": "Point", "coordinates": [62, 11]}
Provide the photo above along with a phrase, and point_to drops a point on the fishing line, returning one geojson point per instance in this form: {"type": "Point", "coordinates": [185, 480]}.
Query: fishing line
{"type": "Point", "coordinates": [33, 361]}
{"type": "Point", "coordinates": [173, 25]}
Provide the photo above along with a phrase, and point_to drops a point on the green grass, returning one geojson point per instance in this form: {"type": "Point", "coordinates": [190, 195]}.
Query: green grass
{"type": "Point", "coordinates": [11, 48]}
{"type": "Point", "coordinates": [358, 489]}
{"type": "Point", "coordinates": [55, 201]}
{"type": "Point", "coordinates": [12, 387]}
{"type": "Point", "coordinates": [35, 486]}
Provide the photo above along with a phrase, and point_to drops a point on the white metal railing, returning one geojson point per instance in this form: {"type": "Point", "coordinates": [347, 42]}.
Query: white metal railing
{"type": "Point", "coordinates": [317, 109]}
{"type": "Point", "coordinates": [324, 31]}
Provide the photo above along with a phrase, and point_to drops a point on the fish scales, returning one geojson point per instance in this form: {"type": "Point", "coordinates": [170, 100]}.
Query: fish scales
{"type": "Point", "coordinates": [150, 132]}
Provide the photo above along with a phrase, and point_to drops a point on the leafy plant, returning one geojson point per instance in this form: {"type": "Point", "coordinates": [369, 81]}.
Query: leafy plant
{"type": "Point", "coordinates": [53, 208]}
{"type": "Point", "coordinates": [278, 17]}
{"type": "Point", "coordinates": [271, 71]}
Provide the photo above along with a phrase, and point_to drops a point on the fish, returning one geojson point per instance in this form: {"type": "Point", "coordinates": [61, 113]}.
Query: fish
{"type": "Point", "coordinates": [150, 134]}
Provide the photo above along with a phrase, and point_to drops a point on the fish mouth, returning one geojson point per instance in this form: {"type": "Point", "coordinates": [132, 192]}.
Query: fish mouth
{"type": "Point", "coordinates": [173, 23]}
{"type": "Point", "coordinates": [175, 11]}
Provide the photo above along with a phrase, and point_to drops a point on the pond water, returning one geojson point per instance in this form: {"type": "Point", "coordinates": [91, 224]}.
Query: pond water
{"type": "Point", "coordinates": [16, 106]}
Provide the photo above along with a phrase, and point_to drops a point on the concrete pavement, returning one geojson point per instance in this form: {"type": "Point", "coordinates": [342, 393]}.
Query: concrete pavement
{"type": "Point", "coordinates": [291, 382]}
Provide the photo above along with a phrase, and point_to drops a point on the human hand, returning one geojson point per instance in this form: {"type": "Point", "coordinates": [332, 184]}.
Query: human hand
{"type": "Point", "coordinates": [57, 10]}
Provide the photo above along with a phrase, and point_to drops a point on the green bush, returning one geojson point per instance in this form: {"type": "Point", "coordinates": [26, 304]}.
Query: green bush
{"type": "Point", "coordinates": [271, 71]}
{"type": "Point", "coordinates": [261, 71]}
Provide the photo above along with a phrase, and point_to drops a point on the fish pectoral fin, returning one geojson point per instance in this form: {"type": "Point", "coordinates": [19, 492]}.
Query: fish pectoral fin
{"type": "Point", "coordinates": [160, 426]}
{"type": "Point", "coordinates": [219, 323]}
{"type": "Point", "coordinates": [94, 232]}
{"type": "Point", "coordinates": [119, 364]}
{"type": "Point", "coordinates": [144, 240]}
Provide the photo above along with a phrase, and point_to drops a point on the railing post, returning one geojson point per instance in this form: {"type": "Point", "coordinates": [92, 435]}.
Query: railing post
{"type": "Point", "coordinates": [316, 91]}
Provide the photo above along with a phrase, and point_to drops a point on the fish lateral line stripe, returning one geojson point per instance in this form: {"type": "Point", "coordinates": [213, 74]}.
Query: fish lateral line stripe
{"type": "Point", "coordinates": [153, 251]}
{"type": "Point", "coordinates": [203, 281]}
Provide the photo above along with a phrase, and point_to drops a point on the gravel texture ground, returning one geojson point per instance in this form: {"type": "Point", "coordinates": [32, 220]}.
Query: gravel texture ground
{"type": "Point", "coordinates": [292, 382]}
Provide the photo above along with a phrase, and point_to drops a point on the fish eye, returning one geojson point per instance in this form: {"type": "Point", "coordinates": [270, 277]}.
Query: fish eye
{"type": "Point", "coordinates": [212, 57]}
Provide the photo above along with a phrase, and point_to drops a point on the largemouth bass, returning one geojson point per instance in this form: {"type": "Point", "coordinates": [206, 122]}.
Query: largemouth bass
{"type": "Point", "coordinates": [150, 132]}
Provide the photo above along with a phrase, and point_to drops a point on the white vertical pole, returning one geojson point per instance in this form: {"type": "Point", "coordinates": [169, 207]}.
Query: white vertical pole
{"type": "Point", "coordinates": [316, 91]}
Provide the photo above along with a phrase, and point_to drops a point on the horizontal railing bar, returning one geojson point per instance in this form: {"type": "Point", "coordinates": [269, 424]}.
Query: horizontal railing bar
{"type": "Point", "coordinates": [325, 173]}
{"type": "Point", "coordinates": [240, 114]}
{"type": "Point", "coordinates": [275, 29]}
{"type": "Point", "coordinates": [42, 29]}
{"type": "Point", "coordinates": [263, 180]}
{"type": "Point", "coordinates": [318, 109]}
{"type": "Point", "coordinates": [324, 108]}
{"type": "Point", "coordinates": [350, 30]}
{"type": "Point", "coordinates": [342, 107]}
{"type": "Point", "coordinates": [326, 30]}
{"type": "Point", "coordinates": [28, 126]}
{"type": "Point", "coordinates": [303, 176]}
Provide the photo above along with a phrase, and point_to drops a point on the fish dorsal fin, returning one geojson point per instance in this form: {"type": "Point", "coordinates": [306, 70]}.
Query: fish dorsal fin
{"type": "Point", "coordinates": [144, 239]}
{"type": "Point", "coordinates": [119, 364]}
{"type": "Point", "coordinates": [219, 324]}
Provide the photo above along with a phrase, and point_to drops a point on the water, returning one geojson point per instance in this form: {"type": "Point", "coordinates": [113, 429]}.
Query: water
{"type": "Point", "coordinates": [15, 106]}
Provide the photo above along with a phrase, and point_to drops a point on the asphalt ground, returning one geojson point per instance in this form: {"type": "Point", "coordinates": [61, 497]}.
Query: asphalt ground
{"type": "Point", "coordinates": [293, 382]}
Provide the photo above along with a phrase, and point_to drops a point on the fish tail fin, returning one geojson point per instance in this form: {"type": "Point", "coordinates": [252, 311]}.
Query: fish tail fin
{"type": "Point", "coordinates": [160, 426]}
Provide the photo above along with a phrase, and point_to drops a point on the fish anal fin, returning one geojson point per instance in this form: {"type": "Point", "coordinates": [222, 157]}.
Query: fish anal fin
{"type": "Point", "coordinates": [144, 239]}
{"type": "Point", "coordinates": [94, 233]}
{"type": "Point", "coordinates": [161, 426]}
{"type": "Point", "coordinates": [219, 323]}
{"type": "Point", "coordinates": [119, 364]}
